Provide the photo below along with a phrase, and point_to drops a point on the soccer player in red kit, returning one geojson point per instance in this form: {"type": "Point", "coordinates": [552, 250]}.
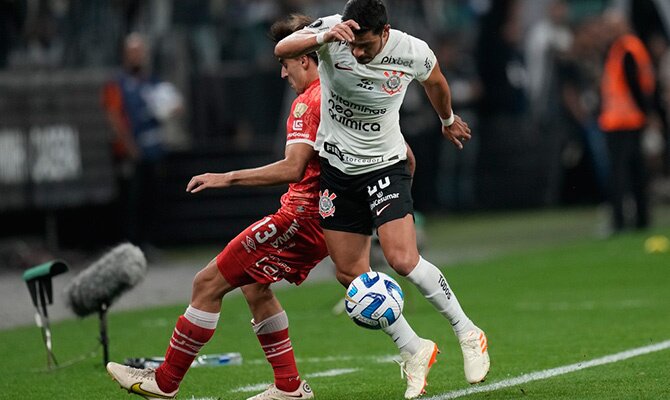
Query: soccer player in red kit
{"type": "Point", "coordinates": [284, 245]}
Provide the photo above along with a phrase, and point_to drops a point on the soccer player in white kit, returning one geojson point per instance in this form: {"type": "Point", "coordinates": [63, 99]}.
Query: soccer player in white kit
{"type": "Point", "coordinates": [365, 68]}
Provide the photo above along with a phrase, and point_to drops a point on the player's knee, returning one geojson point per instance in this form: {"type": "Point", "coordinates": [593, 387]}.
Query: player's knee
{"type": "Point", "coordinates": [402, 261]}
{"type": "Point", "coordinates": [206, 287]}
{"type": "Point", "coordinates": [344, 277]}
{"type": "Point", "coordinates": [257, 294]}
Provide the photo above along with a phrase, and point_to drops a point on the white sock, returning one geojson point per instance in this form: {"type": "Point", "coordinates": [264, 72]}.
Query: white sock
{"type": "Point", "coordinates": [274, 323]}
{"type": "Point", "coordinates": [434, 287]}
{"type": "Point", "coordinates": [201, 318]}
{"type": "Point", "coordinates": [403, 335]}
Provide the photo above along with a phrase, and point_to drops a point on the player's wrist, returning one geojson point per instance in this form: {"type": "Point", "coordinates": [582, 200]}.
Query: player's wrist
{"type": "Point", "coordinates": [449, 120]}
{"type": "Point", "coordinates": [321, 38]}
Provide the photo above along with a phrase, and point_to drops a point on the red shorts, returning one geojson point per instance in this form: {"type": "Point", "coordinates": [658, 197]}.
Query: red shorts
{"type": "Point", "coordinates": [279, 246]}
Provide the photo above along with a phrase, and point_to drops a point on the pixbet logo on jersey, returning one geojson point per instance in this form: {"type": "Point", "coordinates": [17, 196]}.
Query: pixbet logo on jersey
{"type": "Point", "coordinates": [397, 61]}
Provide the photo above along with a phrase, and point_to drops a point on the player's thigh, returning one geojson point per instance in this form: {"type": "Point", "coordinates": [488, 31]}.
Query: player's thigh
{"type": "Point", "coordinates": [398, 241]}
{"type": "Point", "coordinates": [209, 286]}
{"type": "Point", "coordinates": [350, 252]}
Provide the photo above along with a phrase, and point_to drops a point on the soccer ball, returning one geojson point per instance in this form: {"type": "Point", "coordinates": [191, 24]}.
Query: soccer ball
{"type": "Point", "coordinates": [374, 300]}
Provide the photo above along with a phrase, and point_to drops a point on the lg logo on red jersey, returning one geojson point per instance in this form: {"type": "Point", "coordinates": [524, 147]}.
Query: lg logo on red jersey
{"type": "Point", "coordinates": [297, 125]}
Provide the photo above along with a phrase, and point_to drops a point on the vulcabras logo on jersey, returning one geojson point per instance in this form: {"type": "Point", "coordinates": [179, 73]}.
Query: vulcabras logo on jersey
{"type": "Point", "coordinates": [397, 61]}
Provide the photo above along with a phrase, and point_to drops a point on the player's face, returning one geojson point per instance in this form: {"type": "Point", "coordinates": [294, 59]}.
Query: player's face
{"type": "Point", "coordinates": [292, 69]}
{"type": "Point", "coordinates": [367, 45]}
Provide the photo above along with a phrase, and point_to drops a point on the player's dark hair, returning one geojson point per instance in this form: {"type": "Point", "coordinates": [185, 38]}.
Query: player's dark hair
{"type": "Point", "coordinates": [369, 14]}
{"type": "Point", "coordinates": [284, 27]}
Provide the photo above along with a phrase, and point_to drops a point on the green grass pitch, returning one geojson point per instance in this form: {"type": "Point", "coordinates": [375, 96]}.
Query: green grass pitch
{"type": "Point", "coordinates": [541, 308]}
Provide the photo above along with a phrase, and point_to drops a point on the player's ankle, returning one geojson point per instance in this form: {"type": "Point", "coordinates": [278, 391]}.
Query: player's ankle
{"type": "Point", "coordinates": [165, 382]}
{"type": "Point", "coordinates": [288, 384]}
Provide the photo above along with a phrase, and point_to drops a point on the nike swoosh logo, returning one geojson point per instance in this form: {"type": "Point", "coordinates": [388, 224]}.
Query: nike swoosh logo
{"type": "Point", "coordinates": [382, 209]}
{"type": "Point", "coordinates": [137, 388]}
{"type": "Point", "coordinates": [343, 67]}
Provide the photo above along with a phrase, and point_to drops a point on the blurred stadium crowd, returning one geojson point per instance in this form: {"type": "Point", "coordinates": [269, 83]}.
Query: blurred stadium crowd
{"type": "Point", "coordinates": [525, 75]}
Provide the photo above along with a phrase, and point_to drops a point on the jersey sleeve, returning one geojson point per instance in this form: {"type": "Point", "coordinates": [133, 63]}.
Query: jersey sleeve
{"type": "Point", "coordinates": [303, 122]}
{"type": "Point", "coordinates": [425, 59]}
{"type": "Point", "coordinates": [323, 25]}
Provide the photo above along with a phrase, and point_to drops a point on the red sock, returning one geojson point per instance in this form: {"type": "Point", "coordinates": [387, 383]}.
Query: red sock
{"type": "Point", "coordinates": [187, 340]}
{"type": "Point", "coordinates": [279, 352]}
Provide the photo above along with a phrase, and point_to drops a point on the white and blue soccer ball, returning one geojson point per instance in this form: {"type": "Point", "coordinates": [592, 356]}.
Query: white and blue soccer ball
{"type": "Point", "coordinates": [374, 300]}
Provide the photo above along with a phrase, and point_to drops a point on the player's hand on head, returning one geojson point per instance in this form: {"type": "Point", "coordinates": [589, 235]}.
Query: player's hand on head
{"type": "Point", "coordinates": [458, 132]}
{"type": "Point", "coordinates": [343, 31]}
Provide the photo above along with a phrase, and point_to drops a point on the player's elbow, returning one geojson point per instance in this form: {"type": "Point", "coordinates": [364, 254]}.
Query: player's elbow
{"type": "Point", "coordinates": [282, 49]}
{"type": "Point", "coordinates": [295, 174]}
{"type": "Point", "coordinates": [289, 47]}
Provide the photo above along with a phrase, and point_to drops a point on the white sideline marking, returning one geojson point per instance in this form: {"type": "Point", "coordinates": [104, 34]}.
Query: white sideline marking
{"type": "Point", "coordinates": [331, 372]}
{"type": "Point", "coordinates": [550, 373]}
{"type": "Point", "coordinates": [252, 388]}
{"type": "Point", "coordinates": [202, 398]}
{"type": "Point", "coordinates": [376, 359]}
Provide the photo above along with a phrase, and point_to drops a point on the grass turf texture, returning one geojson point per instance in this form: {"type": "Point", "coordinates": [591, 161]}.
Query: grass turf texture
{"type": "Point", "coordinates": [541, 309]}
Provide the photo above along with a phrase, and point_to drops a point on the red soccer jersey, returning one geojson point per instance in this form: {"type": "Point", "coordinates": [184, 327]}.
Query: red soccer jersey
{"type": "Point", "coordinates": [302, 198]}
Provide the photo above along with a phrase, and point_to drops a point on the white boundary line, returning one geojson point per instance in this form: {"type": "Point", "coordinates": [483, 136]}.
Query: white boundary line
{"type": "Point", "coordinates": [550, 373]}
{"type": "Point", "coordinates": [322, 374]}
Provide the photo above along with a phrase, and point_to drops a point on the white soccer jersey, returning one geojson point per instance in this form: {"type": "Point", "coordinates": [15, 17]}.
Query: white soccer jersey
{"type": "Point", "coordinates": [360, 103]}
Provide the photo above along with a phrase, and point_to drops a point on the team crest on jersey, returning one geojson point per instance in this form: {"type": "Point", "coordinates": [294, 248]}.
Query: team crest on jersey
{"type": "Point", "coordinates": [300, 109]}
{"type": "Point", "coordinates": [393, 82]}
{"type": "Point", "coordinates": [326, 206]}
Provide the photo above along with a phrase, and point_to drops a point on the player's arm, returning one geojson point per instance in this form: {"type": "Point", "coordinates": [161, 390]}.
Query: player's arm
{"type": "Point", "coordinates": [305, 41]}
{"type": "Point", "coordinates": [289, 170]}
{"type": "Point", "coordinates": [437, 89]}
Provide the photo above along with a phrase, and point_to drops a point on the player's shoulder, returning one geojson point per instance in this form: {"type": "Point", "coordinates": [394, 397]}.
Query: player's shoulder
{"type": "Point", "coordinates": [411, 52]}
{"type": "Point", "coordinates": [311, 95]}
{"type": "Point", "coordinates": [406, 41]}
{"type": "Point", "coordinates": [308, 102]}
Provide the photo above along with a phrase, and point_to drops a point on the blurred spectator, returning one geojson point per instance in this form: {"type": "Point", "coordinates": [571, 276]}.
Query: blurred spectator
{"type": "Point", "coordinates": [10, 28]}
{"type": "Point", "coordinates": [499, 60]}
{"type": "Point", "coordinates": [664, 80]}
{"type": "Point", "coordinates": [504, 132]}
{"type": "Point", "coordinates": [547, 40]}
{"type": "Point", "coordinates": [627, 88]}
{"type": "Point", "coordinates": [660, 133]}
{"type": "Point", "coordinates": [137, 103]}
{"type": "Point", "coordinates": [456, 185]}
{"type": "Point", "coordinates": [578, 76]}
